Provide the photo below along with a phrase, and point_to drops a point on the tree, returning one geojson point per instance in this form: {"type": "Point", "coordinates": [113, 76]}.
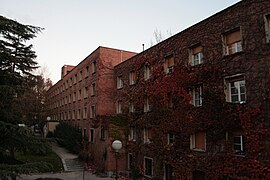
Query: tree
{"type": "Point", "coordinates": [31, 104]}
{"type": "Point", "coordinates": [17, 84]}
{"type": "Point", "coordinates": [159, 36]}
{"type": "Point", "coordinates": [17, 62]}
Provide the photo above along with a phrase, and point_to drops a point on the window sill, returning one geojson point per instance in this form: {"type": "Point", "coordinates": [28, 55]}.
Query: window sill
{"type": "Point", "coordinates": [238, 102]}
{"type": "Point", "coordinates": [148, 176]}
{"type": "Point", "coordinates": [199, 150]}
{"type": "Point", "coordinates": [233, 54]}
{"type": "Point", "coordinates": [118, 88]}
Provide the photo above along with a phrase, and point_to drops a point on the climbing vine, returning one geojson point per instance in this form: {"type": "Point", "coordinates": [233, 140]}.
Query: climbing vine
{"type": "Point", "coordinates": [216, 117]}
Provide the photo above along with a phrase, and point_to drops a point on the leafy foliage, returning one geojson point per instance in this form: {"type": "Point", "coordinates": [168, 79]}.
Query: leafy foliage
{"type": "Point", "coordinates": [215, 117]}
{"type": "Point", "coordinates": [17, 62]}
{"type": "Point", "coordinates": [69, 136]}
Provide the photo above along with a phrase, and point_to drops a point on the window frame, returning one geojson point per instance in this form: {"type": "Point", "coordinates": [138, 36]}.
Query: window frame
{"type": "Point", "coordinates": [131, 107]}
{"type": "Point", "coordinates": [132, 77]}
{"type": "Point", "coordinates": [132, 134]}
{"type": "Point", "coordinates": [235, 46]}
{"type": "Point", "coordinates": [193, 145]}
{"type": "Point", "coordinates": [145, 166]}
{"type": "Point", "coordinates": [147, 135]}
{"type": "Point", "coordinates": [102, 134]}
{"type": "Point", "coordinates": [146, 72]}
{"type": "Point", "coordinates": [119, 82]}
{"type": "Point", "coordinates": [194, 51]}
{"type": "Point", "coordinates": [169, 68]}
{"type": "Point", "coordinates": [93, 89]}
{"type": "Point", "coordinates": [238, 78]}
{"type": "Point", "coordinates": [194, 94]}
{"type": "Point", "coordinates": [119, 104]}
{"type": "Point", "coordinates": [170, 140]}
{"type": "Point", "coordinates": [94, 67]}
{"type": "Point", "coordinates": [146, 106]}
{"type": "Point", "coordinates": [85, 92]}
{"type": "Point", "coordinates": [130, 161]}
{"type": "Point", "coordinates": [92, 135]}
{"type": "Point", "coordinates": [86, 71]}
{"type": "Point", "coordinates": [267, 27]}
{"type": "Point", "coordinates": [85, 112]}
{"type": "Point", "coordinates": [93, 112]}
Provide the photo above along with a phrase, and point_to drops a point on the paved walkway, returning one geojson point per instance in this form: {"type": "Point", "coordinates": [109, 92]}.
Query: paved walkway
{"type": "Point", "coordinates": [65, 176]}
{"type": "Point", "coordinates": [72, 166]}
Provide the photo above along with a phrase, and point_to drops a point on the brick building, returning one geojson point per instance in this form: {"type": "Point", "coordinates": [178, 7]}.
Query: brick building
{"type": "Point", "coordinates": [198, 103]}
{"type": "Point", "coordinates": [83, 96]}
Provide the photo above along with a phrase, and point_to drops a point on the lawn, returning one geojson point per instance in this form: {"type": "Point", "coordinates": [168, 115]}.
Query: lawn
{"type": "Point", "coordinates": [51, 158]}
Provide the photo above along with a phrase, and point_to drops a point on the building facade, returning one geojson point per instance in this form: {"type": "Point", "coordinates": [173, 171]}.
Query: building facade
{"type": "Point", "coordinates": [83, 97]}
{"type": "Point", "coordinates": [198, 103]}
{"type": "Point", "coordinates": [195, 106]}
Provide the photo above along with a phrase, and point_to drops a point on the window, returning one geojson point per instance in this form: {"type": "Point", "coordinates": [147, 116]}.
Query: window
{"type": "Point", "coordinates": [74, 96]}
{"type": "Point", "coordinates": [75, 79]}
{"type": "Point", "coordinates": [70, 82]}
{"type": "Point", "coordinates": [69, 98]}
{"type": "Point", "coordinates": [130, 161]}
{"type": "Point", "coordinates": [238, 144]}
{"type": "Point", "coordinates": [171, 138]}
{"type": "Point", "coordinates": [169, 174]}
{"type": "Point", "coordinates": [86, 71]}
{"type": "Point", "coordinates": [236, 89]}
{"type": "Point", "coordinates": [197, 96]}
{"type": "Point", "coordinates": [94, 67]}
{"type": "Point", "coordinates": [69, 115]}
{"type": "Point", "coordinates": [196, 55]}
{"type": "Point", "coordinates": [84, 133]}
{"type": "Point", "coordinates": [119, 82]}
{"type": "Point", "coordinates": [198, 141]}
{"type": "Point", "coordinates": [93, 112]}
{"type": "Point", "coordinates": [147, 107]}
{"type": "Point", "coordinates": [267, 27]}
{"type": "Point", "coordinates": [131, 107]}
{"type": "Point", "coordinates": [198, 175]}
{"type": "Point", "coordinates": [148, 166]}
{"type": "Point", "coordinates": [132, 134]}
{"type": "Point", "coordinates": [233, 43]}
{"type": "Point", "coordinates": [91, 135]}
{"type": "Point", "coordinates": [132, 78]}
{"type": "Point", "coordinates": [102, 133]}
{"type": "Point", "coordinates": [79, 114]}
{"type": "Point", "coordinates": [79, 94]}
{"type": "Point", "coordinates": [85, 113]}
{"type": "Point", "coordinates": [147, 135]}
{"type": "Point", "coordinates": [119, 107]}
{"type": "Point", "coordinates": [169, 64]}
{"type": "Point", "coordinates": [147, 72]}
{"type": "Point", "coordinates": [80, 76]}
{"type": "Point", "coordinates": [73, 114]}
{"type": "Point", "coordinates": [93, 89]}
{"type": "Point", "coordinates": [86, 92]}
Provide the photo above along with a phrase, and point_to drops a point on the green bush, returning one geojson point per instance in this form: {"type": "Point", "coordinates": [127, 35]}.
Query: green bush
{"type": "Point", "coordinates": [69, 137]}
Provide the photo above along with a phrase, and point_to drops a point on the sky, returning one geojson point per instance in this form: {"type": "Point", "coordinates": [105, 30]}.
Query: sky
{"type": "Point", "coordinates": [75, 28]}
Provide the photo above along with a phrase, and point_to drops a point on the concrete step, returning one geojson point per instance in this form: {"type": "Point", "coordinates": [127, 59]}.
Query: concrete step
{"type": "Point", "coordinates": [74, 165]}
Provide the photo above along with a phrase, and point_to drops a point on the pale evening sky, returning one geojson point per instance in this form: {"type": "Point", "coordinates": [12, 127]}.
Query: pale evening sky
{"type": "Point", "coordinates": [75, 28]}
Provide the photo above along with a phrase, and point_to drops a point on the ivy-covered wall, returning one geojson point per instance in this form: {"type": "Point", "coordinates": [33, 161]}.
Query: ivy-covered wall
{"type": "Point", "coordinates": [219, 119]}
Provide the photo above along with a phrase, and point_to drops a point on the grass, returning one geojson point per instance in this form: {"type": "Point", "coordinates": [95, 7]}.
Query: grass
{"type": "Point", "coordinates": [50, 158]}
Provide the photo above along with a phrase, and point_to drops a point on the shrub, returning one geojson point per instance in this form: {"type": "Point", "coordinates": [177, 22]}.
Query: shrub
{"type": "Point", "coordinates": [69, 136]}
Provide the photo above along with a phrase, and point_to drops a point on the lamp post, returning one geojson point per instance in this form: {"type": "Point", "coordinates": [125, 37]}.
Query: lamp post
{"type": "Point", "coordinates": [116, 145]}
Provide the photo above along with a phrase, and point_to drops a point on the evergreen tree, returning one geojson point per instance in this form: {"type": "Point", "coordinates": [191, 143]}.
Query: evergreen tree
{"type": "Point", "coordinates": [17, 62]}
